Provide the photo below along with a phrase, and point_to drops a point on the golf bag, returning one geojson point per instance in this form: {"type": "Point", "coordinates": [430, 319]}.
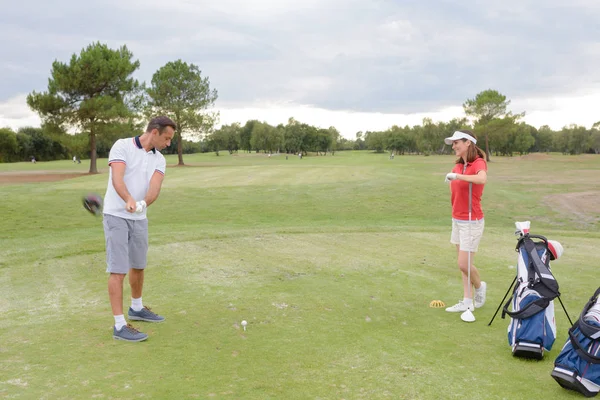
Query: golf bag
{"type": "Point", "coordinates": [577, 367]}
{"type": "Point", "coordinates": [532, 327]}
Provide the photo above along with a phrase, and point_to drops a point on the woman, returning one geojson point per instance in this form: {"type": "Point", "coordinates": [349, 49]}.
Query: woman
{"type": "Point", "coordinates": [470, 169]}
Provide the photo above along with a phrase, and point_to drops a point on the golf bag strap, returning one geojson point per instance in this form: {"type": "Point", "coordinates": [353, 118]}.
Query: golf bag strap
{"type": "Point", "coordinates": [546, 277]}
{"type": "Point", "coordinates": [579, 348]}
{"type": "Point", "coordinates": [529, 310]}
{"type": "Point", "coordinates": [530, 236]}
{"type": "Point", "coordinates": [589, 330]}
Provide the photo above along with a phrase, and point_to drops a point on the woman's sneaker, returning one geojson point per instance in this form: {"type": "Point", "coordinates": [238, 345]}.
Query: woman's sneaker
{"type": "Point", "coordinates": [129, 334]}
{"type": "Point", "coordinates": [480, 295]}
{"type": "Point", "coordinates": [458, 307]}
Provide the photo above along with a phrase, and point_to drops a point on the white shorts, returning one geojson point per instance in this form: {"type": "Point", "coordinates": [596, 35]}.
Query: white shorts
{"type": "Point", "coordinates": [467, 234]}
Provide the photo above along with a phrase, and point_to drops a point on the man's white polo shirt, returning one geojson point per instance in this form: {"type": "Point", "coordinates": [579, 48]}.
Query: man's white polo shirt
{"type": "Point", "coordinates": [140, 165]}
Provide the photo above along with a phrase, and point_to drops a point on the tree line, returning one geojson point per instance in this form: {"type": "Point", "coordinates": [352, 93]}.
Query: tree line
{"type": "Point", "coordinates": [293, 138]}
{"type": "Point", "coordinates": [505, 137]}
{"type": "Point", "coordinates": [96, 96]}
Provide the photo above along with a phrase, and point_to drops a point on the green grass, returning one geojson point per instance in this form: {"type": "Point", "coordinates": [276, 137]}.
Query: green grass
{"type": "Point", "coordinates": [332, 260]}
{"type": "Point", "coordinates": [50, 166]}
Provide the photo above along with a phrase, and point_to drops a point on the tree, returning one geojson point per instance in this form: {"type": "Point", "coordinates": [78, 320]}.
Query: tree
{"type": "Point", "coordinates": [500, 134]}
{"type": "Point", "coordinates": [335, 139]}
{"type": "Point", "coordinates": [522, 138]}
{"type": "Point", "coordinates": [344, 144]}
{"type": "Point", "coordinates": [217, 141]}
{"type": "Point", "coordinates": [486, 106]}
{"type": "Point", "coordinates": [396, 140]}
{"type": "Point", "coordinates": [246, 135]}
{"type": "Point", "coordinates": [92, 92]}
{"type": "Point", "coordinates": [293, 136]}
{"type": "Point", "coordinates": [39, 145]}
{"type": "Point", "coordinates": [543, 139]}
{"type": "Point", "coordinates": [561, 141]}
{"type": "Point", "coordinates": [228, 137]}
{"type": "Point", "coordinates": [595, 138]}
{"type": "Point", "coordinates": [359, 144]}
{"type": "Point", "coordinates": [9, 146]}
{"type": "Point", "coordinates": [429, 137]}
{"type": "Point", "coordinates": [266, 137]}
{"type": "Point", "coordinates": [323, 141]}
{"type": "Point", "coordinates": [579, 139]}
{"type": "Point", "coordinates": [375, 141]}
{"type": "Point", "coordinates": [25, 145]}
{"type": "Point", "coordinates": [179, 90]}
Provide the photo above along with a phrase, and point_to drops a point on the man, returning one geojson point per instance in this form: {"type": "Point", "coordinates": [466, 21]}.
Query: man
{"type": "Point", "coordinates": [136, 174]}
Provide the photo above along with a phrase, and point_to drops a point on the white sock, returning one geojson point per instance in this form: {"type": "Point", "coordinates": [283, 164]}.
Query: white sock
{"type": "Point", "coordinates": [467, 302]}
{"type": "Point", "coordinates": [136, 304]}
{"type": "Point", "coordinates": [120, 321]}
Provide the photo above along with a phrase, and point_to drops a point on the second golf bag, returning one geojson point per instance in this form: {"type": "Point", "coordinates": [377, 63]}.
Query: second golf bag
{"type": "Point", "coordinates": [577, 367]}
{"type": "Point", "coordinates": [532, 327]}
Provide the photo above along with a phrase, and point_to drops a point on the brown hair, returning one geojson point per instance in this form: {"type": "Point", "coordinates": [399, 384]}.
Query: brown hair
{"type": "Point", "coordinates": [160, 123]}
{"type": "Point", "coordinates": [473, 150]}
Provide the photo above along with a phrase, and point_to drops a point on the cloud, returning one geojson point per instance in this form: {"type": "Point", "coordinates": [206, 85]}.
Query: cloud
{"type": "Point", "coordinates": [348, 123]}
{"type": "Point", "coordinates": [555, 112]}
{"type": "Point", "coordinates": [558, 112]}
{"type": "Point", "coordinates": [14, 113]}
{"type": "Point", "coordinates": [373, 57]}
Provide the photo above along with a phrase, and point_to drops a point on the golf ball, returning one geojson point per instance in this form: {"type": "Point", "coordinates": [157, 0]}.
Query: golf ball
{"type": "Point", "coordinates": [244, 323]}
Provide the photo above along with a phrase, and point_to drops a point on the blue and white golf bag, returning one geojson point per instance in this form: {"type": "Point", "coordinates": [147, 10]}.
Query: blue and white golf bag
{"type": "Point", "coordinates": [577, 367]}
{"type": "Point", "coordinates": [532, 327]}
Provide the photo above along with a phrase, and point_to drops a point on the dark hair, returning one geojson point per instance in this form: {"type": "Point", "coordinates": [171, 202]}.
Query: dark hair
{"type": "Point", "coordinates": [160, 123]}
{"type": "Point", "coordinates": [473, 151]}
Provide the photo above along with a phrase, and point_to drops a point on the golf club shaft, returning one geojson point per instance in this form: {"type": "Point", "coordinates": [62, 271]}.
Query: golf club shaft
{"type": "Point", "coordinates": [468, 316]}
{"type": "Point", "coordinates": [469, 250]}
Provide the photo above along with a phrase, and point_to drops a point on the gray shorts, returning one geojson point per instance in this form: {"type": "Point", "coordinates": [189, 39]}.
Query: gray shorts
{"type": "Point", "coordinates": [126, 243]}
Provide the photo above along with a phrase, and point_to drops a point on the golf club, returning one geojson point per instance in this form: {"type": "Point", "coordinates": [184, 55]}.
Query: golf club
{"type": "Point", "coordinates": [468, 316]}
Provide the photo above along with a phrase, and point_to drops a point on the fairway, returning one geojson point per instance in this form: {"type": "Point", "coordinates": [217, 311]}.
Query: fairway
{"type": "Point", "coordinates": [332, 260]}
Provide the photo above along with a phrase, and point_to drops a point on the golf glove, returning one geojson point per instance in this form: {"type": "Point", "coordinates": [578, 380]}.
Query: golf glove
{"type": "Point", "coordinates": [140, 206]}
{"type": "Point", "coordinates": [450, 177]}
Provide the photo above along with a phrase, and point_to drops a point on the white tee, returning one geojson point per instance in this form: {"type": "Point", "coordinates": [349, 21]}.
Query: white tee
{"type": "Point", "coordinates": [140, 166]}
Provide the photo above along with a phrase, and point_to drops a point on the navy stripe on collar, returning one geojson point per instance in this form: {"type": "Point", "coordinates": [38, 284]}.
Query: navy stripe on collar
{"type": "Point", "coordinates": [139, 144]}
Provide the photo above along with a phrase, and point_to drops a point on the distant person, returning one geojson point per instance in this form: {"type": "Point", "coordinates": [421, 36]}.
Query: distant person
{"type": "Point", "coordinates": [137, 169]}
{"type": "Point", "coordinates": [74, 159]}
{"type": "Point", "coordinates": [33, 159]}
{"type": "Point", "coordinates": [470, 168]}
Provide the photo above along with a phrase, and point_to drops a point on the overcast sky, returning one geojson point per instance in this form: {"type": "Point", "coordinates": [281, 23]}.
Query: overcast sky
{"type": "Point", "coordinates": [356, 65]}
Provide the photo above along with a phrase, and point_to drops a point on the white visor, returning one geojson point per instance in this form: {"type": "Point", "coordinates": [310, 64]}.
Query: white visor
{"type": "Point", "coordinates": [460, 135]}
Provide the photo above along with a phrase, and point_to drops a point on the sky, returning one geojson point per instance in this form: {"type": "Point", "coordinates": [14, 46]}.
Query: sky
{"type": "Point", "coordinates": [356, 65]}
